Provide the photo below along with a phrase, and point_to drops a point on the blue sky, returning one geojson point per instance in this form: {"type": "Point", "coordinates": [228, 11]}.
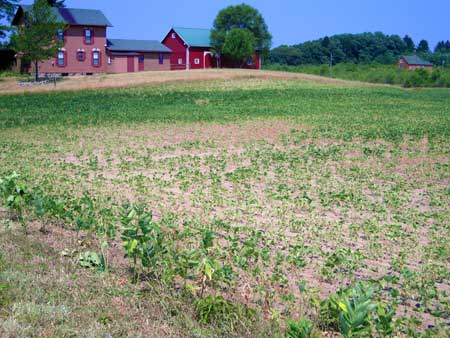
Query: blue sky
{"type": "Point", "coordinates": [289, 21]}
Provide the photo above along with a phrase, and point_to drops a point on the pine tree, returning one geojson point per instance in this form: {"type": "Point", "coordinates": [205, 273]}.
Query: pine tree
{"type": "Point", "coordinates": [410, 46]}
{"type": "Point", "coordinates": [423, 47]}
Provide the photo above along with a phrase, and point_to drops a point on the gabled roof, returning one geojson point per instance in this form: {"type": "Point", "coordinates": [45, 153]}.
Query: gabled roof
{"type": "Point", "coordinates": [194, 37]}
{"type": "Point", "coordinates": [122, 45]}
{"type": "Point", "coordinates": [71, 16]}
{"type": "Point", "coordinates": [414, 60]}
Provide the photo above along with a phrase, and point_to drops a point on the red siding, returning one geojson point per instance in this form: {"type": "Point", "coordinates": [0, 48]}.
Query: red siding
{"type": "Point", "coordinates": [130, 64]}
{"type": "Point", "coordinates": [200, 54]}
{"type": "Point", "coordinates": [178, 48]}
{"type": "Point", "coordinates": [403, 64]}
{"type": "Point", "coordinates": [73, 41]}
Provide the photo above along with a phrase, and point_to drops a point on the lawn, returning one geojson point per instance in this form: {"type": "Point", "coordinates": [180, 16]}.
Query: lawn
{"type": "Point", "coordinates": [251, 206]}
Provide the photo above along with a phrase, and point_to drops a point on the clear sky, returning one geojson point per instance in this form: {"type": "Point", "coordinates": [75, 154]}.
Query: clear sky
{"type": "Point", "coordinates": [289, 21]}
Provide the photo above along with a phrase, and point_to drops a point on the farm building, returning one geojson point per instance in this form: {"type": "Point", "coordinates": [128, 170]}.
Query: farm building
{"type": "Point", "coordinates": [84, 41]}
{"type": "Point", "coordinates": [413, 62]}
{"type": "Point", "coordinates": [191, 49]}
{"type": "Point", "coordinates": [87, 49]}
{"type": "Point", "coordinates": [136, 56]}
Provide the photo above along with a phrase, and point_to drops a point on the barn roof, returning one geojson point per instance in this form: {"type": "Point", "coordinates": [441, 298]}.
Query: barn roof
{"type": "Point", "coordinates": [414, 60]}
{"type": "Point", "coordinates": [123, 45]}
{"type": "Point", "coordinates": [194, 37]}
{"type": "Point", "coordinates": [71, 16]}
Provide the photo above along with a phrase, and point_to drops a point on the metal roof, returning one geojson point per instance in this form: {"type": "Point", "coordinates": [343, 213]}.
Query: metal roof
{"type": "Point", "coordinates": [194, 37]}
{"type": "Point", "coordinates": [123, 45]}
{"type": "Point", "coordinates": [73, 16]}
{"type": "Point", "coordinates": [414, 60]}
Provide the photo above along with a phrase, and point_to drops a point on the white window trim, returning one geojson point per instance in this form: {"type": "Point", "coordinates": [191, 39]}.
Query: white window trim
{"type": "Point", "coordinates": [96, 59]}
{"type": "Point", "coordinates": [180, 61]}
{"type": "Point", "coordinates": [174, 35]}
{"type": "Point", "coordinates": [63, 58]}
{"type": "Point", "coordinates": [197, 61]}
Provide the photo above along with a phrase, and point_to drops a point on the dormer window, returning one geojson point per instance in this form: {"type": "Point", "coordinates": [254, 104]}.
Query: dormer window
{"type": "Point", "coordinates": [60, 35]}
{"type": "Point", "coordinates": [88, 36]}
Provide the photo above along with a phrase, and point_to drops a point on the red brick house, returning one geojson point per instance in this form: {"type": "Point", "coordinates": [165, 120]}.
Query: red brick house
{"type": "Point", "coordinates": [84, 41]}
{"type": "Point", "coordinates": [191, 49]}
{"type": "Point", "coordinates": [413, 62]}
{"type": "Point", "coordinates": [87, 50]}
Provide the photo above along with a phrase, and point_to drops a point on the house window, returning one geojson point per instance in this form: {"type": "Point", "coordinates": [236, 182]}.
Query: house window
{"type": "Point", "coordinates": [197, 61]}
{"type": "Point", "coordinates": [88, 36]}
{"type": "Point", "coordinates": [180, 61]}
{"type": "Point", "coordinates": [141, 59]}
{"type": "Point", "coordinates": [96, 60]}
{"type": "Point", "coordinates": [61, 58]}
{"type": "Point", "coordinates": [174, 35]}
{"type": "Point", "coordinates": [60, 35]}
{"type": "Point", "coordinates": [109, 60]}
{"type": "Point", "coordinates": [81, 56]}
{"type": "Point", "coordinates": [161, 58]}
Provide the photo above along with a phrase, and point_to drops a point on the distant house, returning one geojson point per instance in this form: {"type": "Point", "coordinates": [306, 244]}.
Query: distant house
{"type": "Point", "coordinates": [413, 62]}
{"type": "Point", "coordinates": [86, 49]}
{"type": "Point", "coordinates": [136, 55]}
{"type": "Point", "coordinates": [192, 49]}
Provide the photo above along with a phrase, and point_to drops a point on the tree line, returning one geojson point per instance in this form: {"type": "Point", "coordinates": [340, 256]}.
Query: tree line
{"type": "Point", "coordinates": [364, 48]}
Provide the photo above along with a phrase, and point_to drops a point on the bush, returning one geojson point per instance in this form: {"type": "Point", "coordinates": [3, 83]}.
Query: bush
{"type": "Point", "coordinates": [375, 73]}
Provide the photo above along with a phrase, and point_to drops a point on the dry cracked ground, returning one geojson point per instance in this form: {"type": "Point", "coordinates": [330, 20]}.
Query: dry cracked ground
{"type": "Point", "coordinates": [288, 209]}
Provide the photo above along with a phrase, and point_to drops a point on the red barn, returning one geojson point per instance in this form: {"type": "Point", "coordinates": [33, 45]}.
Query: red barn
{"type": "Point", "coordinates": [413, 62]}
{"type": "Point", "coordinates": [191, 49]}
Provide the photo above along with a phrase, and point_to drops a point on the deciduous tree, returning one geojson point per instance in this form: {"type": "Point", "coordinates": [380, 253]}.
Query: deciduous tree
{"type": "Point", "coordinates": [36, 40]}
{"type": "Point", "coordinates": [239, 46]}
{"type": "Point", "coordinates": [244, 18]}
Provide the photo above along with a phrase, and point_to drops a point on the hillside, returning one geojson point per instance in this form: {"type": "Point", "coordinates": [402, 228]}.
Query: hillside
{"type": "Point", "coordinates": [11, 85]}
{"type": "Point", "coordinates": [224, 204]}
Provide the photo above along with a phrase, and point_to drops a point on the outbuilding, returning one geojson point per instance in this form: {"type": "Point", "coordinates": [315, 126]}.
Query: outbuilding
{"type": "Point", "coordinates": [412, 62]}
{"type": "Point", "coordinates": [136, 56]}
{"type": "Point", "coordinates": [192, 49]}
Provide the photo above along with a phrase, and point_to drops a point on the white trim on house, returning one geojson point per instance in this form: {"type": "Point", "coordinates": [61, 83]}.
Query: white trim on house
{"type": "Point", "coordinates": [188, 64]}
{"type": "Point", "coordinates": [204, 58]}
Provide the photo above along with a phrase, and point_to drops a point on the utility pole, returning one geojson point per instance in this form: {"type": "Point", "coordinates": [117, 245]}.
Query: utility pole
{"type": "Point", "coordinates": [331, 64]}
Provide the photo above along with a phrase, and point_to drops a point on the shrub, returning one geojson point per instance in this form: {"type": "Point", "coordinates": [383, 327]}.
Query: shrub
{"type": "Point", "coordinates": [215, 308]}
{"type": "Point", "coordinates": [300, 329]}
